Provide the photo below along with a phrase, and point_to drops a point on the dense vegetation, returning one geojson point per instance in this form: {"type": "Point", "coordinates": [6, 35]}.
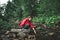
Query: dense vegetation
{"type": "Point", "coordinates": [47, 11]}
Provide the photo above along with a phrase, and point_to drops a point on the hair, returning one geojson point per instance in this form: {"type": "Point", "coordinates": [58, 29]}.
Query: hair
{"type": "Point", "coordinates": [29, 16]}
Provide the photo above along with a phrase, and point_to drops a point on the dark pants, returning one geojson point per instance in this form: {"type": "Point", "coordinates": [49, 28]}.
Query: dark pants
{"type": "Point", "coordinates": [27, 26]}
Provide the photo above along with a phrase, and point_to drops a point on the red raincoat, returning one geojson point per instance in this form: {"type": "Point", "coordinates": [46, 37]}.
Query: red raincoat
{"type": "Point", "coordinates": [26, 21]}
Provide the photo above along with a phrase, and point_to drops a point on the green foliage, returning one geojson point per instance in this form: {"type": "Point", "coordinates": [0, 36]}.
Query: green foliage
{"type": "Point", "coordinates": [50, 21]}
{"type": "Point", "coordinates": [47, 11]}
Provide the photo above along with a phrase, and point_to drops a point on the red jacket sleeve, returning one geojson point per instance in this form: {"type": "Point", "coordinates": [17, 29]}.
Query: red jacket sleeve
{"type": "Point", "coordinates": [31, 25]}
{"type": "Point", "coordinates": [23, 22]}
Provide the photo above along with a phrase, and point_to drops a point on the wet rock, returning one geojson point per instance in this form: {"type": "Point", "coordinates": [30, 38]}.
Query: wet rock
{"type": "Point", "coordinates": [51, 33]}
{"type": "Point", "coordinates": [15, 39]}
{"type": "Point", "coordinates": [21, 34]}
